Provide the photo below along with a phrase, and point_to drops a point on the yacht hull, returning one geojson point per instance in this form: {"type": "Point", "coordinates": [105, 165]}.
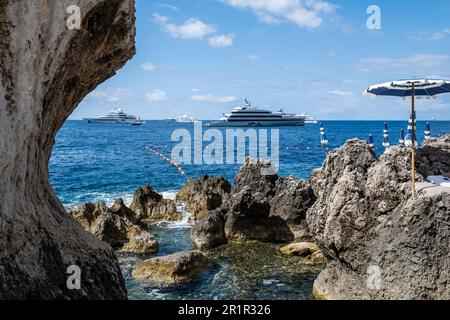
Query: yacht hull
{"type": "Point", "coordinates": [97, 121]}
{"type": "Point", "coordinates": [252, 124]}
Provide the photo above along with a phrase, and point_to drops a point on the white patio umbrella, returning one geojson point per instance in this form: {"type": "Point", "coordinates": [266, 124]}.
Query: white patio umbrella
{"type": "Point", "coordinates": [414, 88]}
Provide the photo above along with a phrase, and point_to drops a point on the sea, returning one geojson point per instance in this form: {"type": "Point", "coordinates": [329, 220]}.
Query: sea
{"type": "Point", "coordinates": [95, 162]}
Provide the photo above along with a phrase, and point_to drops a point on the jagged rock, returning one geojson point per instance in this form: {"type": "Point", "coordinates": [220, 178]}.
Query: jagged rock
{"type": "Point", "coordinates": [434, 156]}
{"type": "Point", "coordinates": [116, 226]}
{"type": "Point", "coordinates": [45, 71]}
{"type": "Point", "coordinates": [209, 232]}
{"type": "Point", "coordinates": [303, 249]}
{"type": "Point", "coordinates": [120, 209]}
{"type": "Point", "coordinates": [258, 175]}
{"type": "Point", "coordinates": [293, 198]}
{"type": "Point", "coordinates": [248, 219]}
{"type": "Point", "coordinates": [261, 207]}
{"type": "Point", "coordinates": [175, 269]}
{"type": "Point", "coordinates": [149, 206]}
{"type": "Point", "coordinates": [87, 213]}
{"type": "Point", "coordinates": [111, 228]}
{"type": "Point", "coordinates": [379, 241]}
{"type": "Point", "coordinates": [204, 194]}
{"type": "Point", "coordinates": [140, 242]}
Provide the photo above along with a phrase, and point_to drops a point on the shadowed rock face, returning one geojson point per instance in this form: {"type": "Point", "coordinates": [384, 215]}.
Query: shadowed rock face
{"type": "Point", "coordinates": [45, 71]}
{"type": "Point", "coordinates": [381, 243]}
{"type": "Point", "coordinates": [261, 207]}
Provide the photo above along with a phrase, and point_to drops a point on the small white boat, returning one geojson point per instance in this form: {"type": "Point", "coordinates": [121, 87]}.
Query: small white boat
{"type": "Point", "coordinates": [309, 119]}
{"type": "Point", "coordinates": [183, 119]}
{"type": "Point", "coordinates": [115, 117]}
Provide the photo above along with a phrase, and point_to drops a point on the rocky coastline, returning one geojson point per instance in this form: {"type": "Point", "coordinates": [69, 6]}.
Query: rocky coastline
{"type": "Point", "coordinates": [356, 217]}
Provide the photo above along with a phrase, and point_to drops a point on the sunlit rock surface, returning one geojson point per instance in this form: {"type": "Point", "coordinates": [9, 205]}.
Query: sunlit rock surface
{"type": "Point", "coordinates": [379, 241]}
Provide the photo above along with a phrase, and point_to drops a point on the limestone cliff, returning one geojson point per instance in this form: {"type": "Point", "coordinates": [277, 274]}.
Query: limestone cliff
{"type": "Point", "coordinates": [45, 71]}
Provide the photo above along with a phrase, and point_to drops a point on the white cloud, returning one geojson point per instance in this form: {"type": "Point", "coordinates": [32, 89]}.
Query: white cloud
{"type": "Point", "coordinates": [304, 13]}
{"type": "Point", "coordinates": [160, 19]}
{"type": "Point", "coordinates": [432, 35]}
{"type": "Point", "coordinates": [253, 57]}
{"type": "Point", "coordinates": [414, 65]}
{"type": "Point", "coordinates": [169, 6]}
{"type": "Point", "coordinates": [221, 41]}
{"type": "Point", "coordinates": [195, 90]}
{"type": "Point", "coordinates": [157, 96]}
{"type": "Point", "coordinates": [148, 66]}
{"type": "Point", "coordinates": [211, 98]}
{"type": "Point", "coordinates": [341, 93]}
{"type": "Point", "coordinates": [191, 29]}
{"type": "Point", "coordinates": [111, 94]}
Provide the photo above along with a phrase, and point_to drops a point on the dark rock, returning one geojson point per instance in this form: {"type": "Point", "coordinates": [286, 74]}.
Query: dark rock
{"type": "Point", "coordinates": [209, 232]}
{"type": "Point", "coordinates": [204, 194]}
{"type": "Point", "coordinates": [261, 207]}
{"type": "Point", "coordinates": [293, 198]}
{"type": "Point", "coordinates": [379, 241]}
{"type": "Point", "coordinates": [149, 206]}
{"type": "Point", "coordinates": [175, 269]}
{"type": "Point", "coordinates": [120, 209]}
{"type": "Point", "coordinates": [258, 175]}
{"type": "Point", "coordinates": [248, 219]}
{"type": "Point", "coordinates": [434, 157]}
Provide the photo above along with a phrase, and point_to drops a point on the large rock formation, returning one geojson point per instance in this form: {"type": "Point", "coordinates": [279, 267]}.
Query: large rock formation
{"type": "Point", "coordinates": [149, 206]}
{"type": "Point", "coordinates": [261, 206]}
{"type": "Point", "coordinates": [45, 71]}
{"type": "Point", "coordinates": [117, 226]}
{"type": "Point", "coordinates": [209, 232]}
{"type": "Point", "coordinates": [380, 242]}
{"type": "Point", "coordinates": [174, 269]}
{"type": "Point", "coordinates": [204, 194]}
{"type": "Point", "coordinates": [248, 219]}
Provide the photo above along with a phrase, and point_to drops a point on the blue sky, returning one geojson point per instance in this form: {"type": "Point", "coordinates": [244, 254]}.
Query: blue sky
{"type": "Point", "coordinates": [203, 57]}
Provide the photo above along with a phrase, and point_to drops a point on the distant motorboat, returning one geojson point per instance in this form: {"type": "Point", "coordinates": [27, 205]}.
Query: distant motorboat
{"type": "Point", "coordinates": [117, 116]}
{"type": "Point", "coordinates": [249, 116]}
{"type": "Point", "coordinates": [183, 119]}
{"type": "Point", "coordinates": [137, 123]}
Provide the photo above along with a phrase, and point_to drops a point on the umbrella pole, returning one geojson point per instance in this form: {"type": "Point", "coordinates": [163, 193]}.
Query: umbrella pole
{"type": "Point", "coordinates": [413, 160]}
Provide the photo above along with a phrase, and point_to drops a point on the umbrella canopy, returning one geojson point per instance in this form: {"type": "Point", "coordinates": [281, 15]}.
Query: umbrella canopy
{"type": "Point", "coordinates": [414, 88]}
{"type": "Point", "coordinates": [423, 88]}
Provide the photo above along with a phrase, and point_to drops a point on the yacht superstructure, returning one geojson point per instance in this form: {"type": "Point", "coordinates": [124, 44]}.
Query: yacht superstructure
{"type": "Point", "coordinates": [117, 116]}
{"type": "Point", "coordinates": [249, 116]}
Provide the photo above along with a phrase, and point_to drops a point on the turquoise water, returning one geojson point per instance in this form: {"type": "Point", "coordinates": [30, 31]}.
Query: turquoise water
{"type": "Point", "coordinates": [105, 162]}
